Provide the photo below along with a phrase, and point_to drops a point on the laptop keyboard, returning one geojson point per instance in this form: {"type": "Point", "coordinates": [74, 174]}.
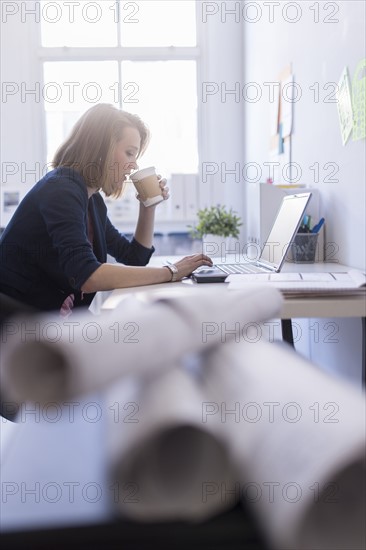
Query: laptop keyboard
{"type": "Point", "coordinates": [239, 268]}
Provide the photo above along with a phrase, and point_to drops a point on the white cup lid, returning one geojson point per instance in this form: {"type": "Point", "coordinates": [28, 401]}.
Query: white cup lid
{"type": "Point", "coordinates": [143, 173]}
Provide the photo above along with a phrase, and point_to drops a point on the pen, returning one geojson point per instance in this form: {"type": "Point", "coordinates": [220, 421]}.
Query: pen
{"type": "Point", "coordinates": [318, 226]}
{"type": "Point", "coordinates": [305, 225]}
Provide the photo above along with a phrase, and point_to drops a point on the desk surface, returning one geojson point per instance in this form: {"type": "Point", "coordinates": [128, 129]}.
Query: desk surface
{"type": "Point", "coordinates": [340, 306]}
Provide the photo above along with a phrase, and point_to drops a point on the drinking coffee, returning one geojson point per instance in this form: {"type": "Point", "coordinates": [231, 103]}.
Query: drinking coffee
{"type": "Point", "coordinates": [147, 186]}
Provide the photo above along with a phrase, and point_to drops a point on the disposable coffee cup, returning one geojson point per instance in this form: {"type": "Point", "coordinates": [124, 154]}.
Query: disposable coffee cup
{"type": "Point", "coordinates": [147, 186]}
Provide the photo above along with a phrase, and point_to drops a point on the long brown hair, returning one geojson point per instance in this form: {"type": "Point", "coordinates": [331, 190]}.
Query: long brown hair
{"type": "Point", "coordinates": [89, 149]}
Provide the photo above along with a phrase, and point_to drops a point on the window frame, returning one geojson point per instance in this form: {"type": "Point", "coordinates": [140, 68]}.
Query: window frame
{"type": "Point", "coordinates": [124, 53]}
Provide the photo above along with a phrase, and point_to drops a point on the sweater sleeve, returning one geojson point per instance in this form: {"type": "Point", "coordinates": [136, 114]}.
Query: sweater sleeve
{"type": "Point", "coordinates": [125, 251]}
{"type": "Point", "coordinates": [63, 207]}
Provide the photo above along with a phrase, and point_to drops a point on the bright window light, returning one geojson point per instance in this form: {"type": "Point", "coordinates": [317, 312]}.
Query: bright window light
{"type": "Point", "coordinates": [70, 88]}
{"type": "Point", "coordinates": [78, 24]}
{"type": "Point", "coordinates": [94, 24]}
{"type": "Point", "coordinates": [158, 23]}
{"type": "Point", "coordinates": [161, 90]}
{"type": "Point", "coordinates": [163, 94]}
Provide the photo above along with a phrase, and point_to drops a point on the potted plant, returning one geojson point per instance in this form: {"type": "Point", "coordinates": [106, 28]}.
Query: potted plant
{"type": "Point", "coordinates": [216, 226]}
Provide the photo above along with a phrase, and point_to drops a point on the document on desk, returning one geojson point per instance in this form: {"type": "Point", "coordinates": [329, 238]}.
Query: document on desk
{"type": "Point", "coordinates": [351, 282]}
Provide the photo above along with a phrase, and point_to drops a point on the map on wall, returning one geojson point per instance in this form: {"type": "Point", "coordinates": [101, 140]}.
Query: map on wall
{"type": "Point", "coordinates": [359, 101]}
{"type": "Point", "coordinates": [281, 126]}
{"type": "Point", "coordinates": [344, 105]}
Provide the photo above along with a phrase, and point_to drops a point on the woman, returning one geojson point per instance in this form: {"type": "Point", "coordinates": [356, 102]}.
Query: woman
{"type": "Point", "coordinates": [54, 250]}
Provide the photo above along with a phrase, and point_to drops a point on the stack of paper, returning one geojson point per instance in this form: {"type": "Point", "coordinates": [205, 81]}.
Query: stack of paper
{"type": "Point", "coordinates": [345, 283]}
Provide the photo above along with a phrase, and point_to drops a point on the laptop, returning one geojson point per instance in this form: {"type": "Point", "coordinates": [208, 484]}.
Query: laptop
{"type": "Point", "coordinates": [274, 252]}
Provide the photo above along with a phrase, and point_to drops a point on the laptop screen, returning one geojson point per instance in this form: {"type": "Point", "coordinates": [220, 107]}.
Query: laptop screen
{"type": "Point", "coordinates": [285, 227]}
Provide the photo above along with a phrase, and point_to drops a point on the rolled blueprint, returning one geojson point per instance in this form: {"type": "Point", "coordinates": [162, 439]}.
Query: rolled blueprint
{"type": "Point", "coordinates": [163, 459]}
{"type": "Point", "coordinates": [297, 436]}
{"type": "Point", "coordinates": [46, 358]}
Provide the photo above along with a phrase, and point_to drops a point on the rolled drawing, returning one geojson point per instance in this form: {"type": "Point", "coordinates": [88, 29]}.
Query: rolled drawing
{"type": "Point", "coordinates": [45, 358]}
{"type": "Point", "coordinates": [297, 436]}
{"type": "Point", "coordinates": [166, 455]}
{"type": "Point", "coordinates": [248, 419]}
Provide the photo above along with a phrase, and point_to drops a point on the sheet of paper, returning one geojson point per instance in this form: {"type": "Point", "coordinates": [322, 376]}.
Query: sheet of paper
{"type": "Point", "coordinates": [344, 106]}
{"type": "Point", "coordinates": [276, 159]}
{"type": "Point", "coordinates": [280, 138]}
{"type": "Point", "coordinates": [318, 277]}
{"type": "Point", "coordinates": [286, 161]}
{"type": "Point", "coordinates": [287, 102]}
{"type": "Point", "coordinates": [274, 109]}
{"type": "Point", "coordinates": [305, 282]}
{"type": "Point", "coordinates": [249, 278]}
{"type": "Point", "coordinates": [346, 276]}
{"type": "Point", "coordinates": [359, 101]}
{"type": "Point", "coordinates": [285, 277]}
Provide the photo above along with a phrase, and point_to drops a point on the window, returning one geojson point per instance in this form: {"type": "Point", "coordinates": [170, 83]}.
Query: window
{"type": "Point", "coordinates": [141, 56]}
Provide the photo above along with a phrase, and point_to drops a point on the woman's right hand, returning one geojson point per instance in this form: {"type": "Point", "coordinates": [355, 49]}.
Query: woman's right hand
{"type": "Point", "coordinates": [189, 263]}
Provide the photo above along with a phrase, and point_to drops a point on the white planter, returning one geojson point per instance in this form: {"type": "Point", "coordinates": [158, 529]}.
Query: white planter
{"type": "Point", "coordinates": [216, 246]}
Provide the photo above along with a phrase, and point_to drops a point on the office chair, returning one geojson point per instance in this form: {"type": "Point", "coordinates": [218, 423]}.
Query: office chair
{"type": "Point", "coordinates": [8, 308]}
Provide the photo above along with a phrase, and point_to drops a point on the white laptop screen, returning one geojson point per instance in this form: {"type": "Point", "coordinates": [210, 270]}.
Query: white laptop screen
{"type": "Point", "coordinates": [286, 224]}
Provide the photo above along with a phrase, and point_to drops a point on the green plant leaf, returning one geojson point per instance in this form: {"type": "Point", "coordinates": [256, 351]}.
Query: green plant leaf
{"type": "Point", "coordinates": [216, 220]}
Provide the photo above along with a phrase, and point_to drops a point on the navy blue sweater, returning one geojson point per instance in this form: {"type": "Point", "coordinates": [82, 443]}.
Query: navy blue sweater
{"type": "Point", "coordinates": [45, 253]}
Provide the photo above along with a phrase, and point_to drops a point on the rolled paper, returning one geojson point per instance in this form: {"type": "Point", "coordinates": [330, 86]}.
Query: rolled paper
{"type": "Point", "coordinates": [47, 358]}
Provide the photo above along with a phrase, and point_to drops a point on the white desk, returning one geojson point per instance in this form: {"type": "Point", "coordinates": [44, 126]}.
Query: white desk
{"type": "Point", "coordinates": [306, 307]}
{"type": "Point", "coordinates": [351, 306]}
{"type": "Point", "coordinates": [340, 306]}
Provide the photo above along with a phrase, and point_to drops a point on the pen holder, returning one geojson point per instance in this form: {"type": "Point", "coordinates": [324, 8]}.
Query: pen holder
{"type": "Point", "coordinates": [303, 247]}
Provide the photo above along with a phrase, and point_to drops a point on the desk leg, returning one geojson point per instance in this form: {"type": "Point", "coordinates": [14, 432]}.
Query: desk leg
{"type": "Point", "coordinates": [363, 320]}
{"type": "Point", "coordinates": [287, 334]}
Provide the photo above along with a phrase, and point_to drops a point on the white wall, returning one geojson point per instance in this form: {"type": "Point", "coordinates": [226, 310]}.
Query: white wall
{"type": "Point", "coordinates": [318, 53]}
{"type": "Point", "coordinates": [21, 110]}
{"type": "Point", "coordinates": [22, 121]}
{"type": "Point", "coordinates": [221, 132]}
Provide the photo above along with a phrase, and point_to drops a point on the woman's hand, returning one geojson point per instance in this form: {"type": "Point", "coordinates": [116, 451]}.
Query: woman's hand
{"type": "Point", "coordinates": [190, 263]}
{"type": "Point", "coordinates": [164, 192]}
{"type": "Point", "coordinates": [145, 223]}
{"type": "Point", "coordinates": [164, 189]}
